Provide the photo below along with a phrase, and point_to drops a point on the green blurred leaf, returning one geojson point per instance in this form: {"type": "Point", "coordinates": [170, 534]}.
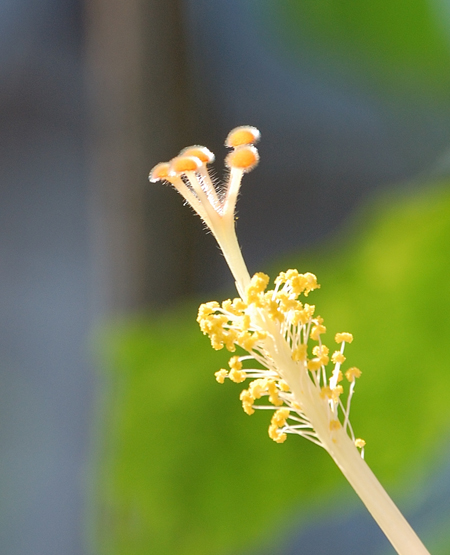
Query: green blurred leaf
{"type": "Point", "coordinates": [400, 43]}
{"type": "Point", "coordinates": [184, 470]}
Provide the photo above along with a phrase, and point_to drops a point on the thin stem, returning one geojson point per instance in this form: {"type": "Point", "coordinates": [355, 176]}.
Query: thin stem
{"type": "Point", "coordinates": [209, 187]}
{"type": "Point", "coordinates": [372, 494]}
{"type": "Point", "coordinates": [226, 237]}
{"type": "Point", "coordinates": [233, 190]}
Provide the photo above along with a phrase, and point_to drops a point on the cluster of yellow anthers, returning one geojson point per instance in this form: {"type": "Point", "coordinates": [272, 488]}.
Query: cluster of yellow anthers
{"type": "Point", "coordinates": [248, 323]}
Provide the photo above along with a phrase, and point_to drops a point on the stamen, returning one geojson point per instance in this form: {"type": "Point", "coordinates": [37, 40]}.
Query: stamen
{"type": "Point", "coordinates": [343, 336]}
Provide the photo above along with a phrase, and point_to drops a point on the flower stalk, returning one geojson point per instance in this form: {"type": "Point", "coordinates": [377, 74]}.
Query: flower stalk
{"type": "Point", "coordinates": [286, 359]}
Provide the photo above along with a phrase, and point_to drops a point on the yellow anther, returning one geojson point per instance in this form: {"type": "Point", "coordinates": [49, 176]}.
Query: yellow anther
{"type": "Point", "coordinates": [182, 164]}
{"type": "Point", "coordinates": [326, 392]}
{"type": "Point", "coordinates": [281, 278]}
{"type": "Point", "coordinates": [272, 308]}
{"type": "Point", "coordinates": [340, 377]}
{"type": "Point", "coordinates": [334, 425]}
{"type": "Point", "coordinates": [316, 331]}
{"type": "Point", "coordinates": [305, 315]}
{"type": "Point", "coordinates": [243, 135]}
{"type": "Point", "coordinates": [276, 435]}
{"type": "Point", "coordinates": [221, 375]}
{"type": "Point", "coordinates": [247, 401]}
{"type": "Point", "coordinates": [299, 283]}
{"type": "Point", "coordinates": [314, 364]}
{"type": "Point", "coordinates": [229, 339]}
{"type": "Point", "coordinates": [311, 283]}
{"type": "Point", "coordinates": [321, 353]}
{"type": "Point", "coordinates": [284, 413]}
{"type": "Point", "coordinates": [344, 336]}
{"type": "Point", "coordinates": [159, 172]}
{"type": "Point", "coordinates": [297, 317]}
{"type": "Point", "coordinates": [248, 340]}
{"type": "Point", "coordinates": [212, 325]}
{"type": "Point", "coordinates": [217, 344]}
{"type": "Point", "coordinates": [235, 363]}
{"type": "Point", "coordinates": [284, 386]}
{"type": "Point", "coordinates": [279, 417]}
{"type": "Point", "coordinates": [259, 282]}
{"type": "Point", "coordinates": [353, 373]}
{"type": "Point", "coordinates": [359, 443]}
{"type": "Point", "coordinates": [309, 310]}
{"type": "Point", "coordinates": [257, 285]}
{"type": "Point", "coordinates": [296, 281]}
{"type": "Point", "coordinates": [244, 158]}
{"type": "Point", "coordinates": [231, 307]}
{"type": "Point", "coordinates": [200, 152]}
{"type": "Point", "coordinates": [239, 304]}
{"type": "Point", "coordinates": [336, 392]}
{"type": "Point", "coordinates": [257, 388]}
{"type": "Point", "coordinates": [287, 303]}
{"type": "Point", "coordinates": [338, 357]}
{"type": "Point", "coordinates": [237, 376]}
{"type": "Point", "coordinates": [246, 396]}
{"type": "Point", "coordinates": [244, 322]}
{"type": "Point", "coordinates": [205, 309]}
{"type": "Point", "coordinates": [272, 386]}
{"type": "Point", "coordinates": [227, 305]}
{"type": "Point", "coordinates": [292, 274]}
{"type": "Point", "coordinates": [275, 399]}
{"type": "Point", "coordinates": [319, 350]}
{"type": "Point", "coordinates": [299, 353]}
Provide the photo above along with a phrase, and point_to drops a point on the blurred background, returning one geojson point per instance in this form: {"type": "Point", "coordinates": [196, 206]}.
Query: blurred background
{"type": "Point", "coordinates": [114, 436]}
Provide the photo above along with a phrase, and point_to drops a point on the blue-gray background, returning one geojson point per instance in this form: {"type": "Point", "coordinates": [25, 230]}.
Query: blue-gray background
{"type": "Point", "coordinates": [328, 142]}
